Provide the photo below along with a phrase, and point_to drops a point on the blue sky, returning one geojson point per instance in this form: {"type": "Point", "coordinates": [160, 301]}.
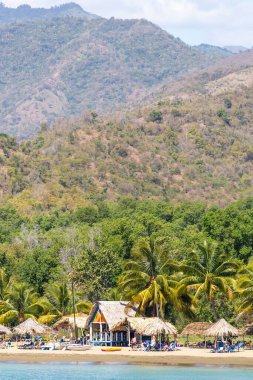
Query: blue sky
{"type": "Point", "coordinates": [217, 22]}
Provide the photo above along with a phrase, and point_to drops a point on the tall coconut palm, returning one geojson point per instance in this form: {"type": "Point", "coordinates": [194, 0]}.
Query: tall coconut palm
{"type": "Point", "coordinates": [57, 303]}
{"type": "Point", "coordinates": [20, 302]}
{"type": "Point", "coordinates": [208, 271]}
{"type": "Point", "coordinates": [244, 292]}
{"type": "Point", "coordinates": [59, 296]}
{"type": "Point", "coordinates": [147, 277]}
{"type": "Point", "coordinates": [3, 283]}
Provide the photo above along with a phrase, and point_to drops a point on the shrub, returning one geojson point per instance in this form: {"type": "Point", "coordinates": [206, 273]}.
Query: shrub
{"type": "Point", "coordinates": [227, 103]}
{"type": "Point", "coordinates": [249, 156]}
{"type": "Point", "coordinates": [156, 116]}
{"type": "Point", "coordinates": [221, 113]}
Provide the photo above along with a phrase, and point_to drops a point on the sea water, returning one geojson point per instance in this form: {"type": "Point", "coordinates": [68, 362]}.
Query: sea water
{"type": "Point", "coordinates": [80, 371]}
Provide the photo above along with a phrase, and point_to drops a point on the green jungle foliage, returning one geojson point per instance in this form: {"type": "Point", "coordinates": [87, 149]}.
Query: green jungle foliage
{"type": "Point", "coordinates": [182, 261]}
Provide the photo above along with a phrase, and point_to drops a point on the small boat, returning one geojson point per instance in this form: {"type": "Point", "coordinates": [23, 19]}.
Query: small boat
{"type": "Point", "coordinates": [111, 349]}
{"type": "Point", "coordinates": [78, 347]}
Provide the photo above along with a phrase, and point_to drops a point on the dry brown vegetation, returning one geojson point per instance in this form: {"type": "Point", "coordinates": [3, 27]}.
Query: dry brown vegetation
{"type": "Point", "coordinates": [197, 147]}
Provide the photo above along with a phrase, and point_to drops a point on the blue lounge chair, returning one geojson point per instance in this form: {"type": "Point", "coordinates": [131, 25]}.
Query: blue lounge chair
{"type": "Point", "coordinates": [172, 347]}
{"type": "Point", "coordinates": [219, 348]}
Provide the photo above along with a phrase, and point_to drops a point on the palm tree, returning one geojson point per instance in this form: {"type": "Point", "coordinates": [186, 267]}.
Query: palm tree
{"type": "Point", "coordinates": [3, 283]}
{"type": "Point", "coordinates": [20, 302]}
{"type": "Point", "coordinates": [59, 296]}
{"type": "Point", "coordinates": [57, 303]}
{"type": "Point", "coordinates": [244, 292]}
{"type": "Point", "coordinates": [147, 280]}
{"type": "Point", "coordinates": [208, 271]}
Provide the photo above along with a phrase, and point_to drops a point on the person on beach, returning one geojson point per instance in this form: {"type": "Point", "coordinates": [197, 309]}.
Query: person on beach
{"type": "Point", "coordinates": [133, 342]}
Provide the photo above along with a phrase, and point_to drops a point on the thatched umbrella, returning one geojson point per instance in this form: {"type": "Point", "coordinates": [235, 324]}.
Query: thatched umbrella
{"type": "Point", "coordinates": [246, 330]}
{"type": "Point", "coordinates": [68, 321]}
{"type": "Point", "coordinates": [30, 326]}
{"type": "Point", "coordinates": [157, 326]}
{"type": "Point", "coordinates": [4, 330]}
{"type": "Point", "coordinates": [221, 328]}
{"type": "Point", "coordinates": [196, 329]}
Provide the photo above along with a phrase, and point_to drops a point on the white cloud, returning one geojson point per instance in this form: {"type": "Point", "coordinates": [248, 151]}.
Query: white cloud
{"type": "Point", "coordinates": [195, 21]}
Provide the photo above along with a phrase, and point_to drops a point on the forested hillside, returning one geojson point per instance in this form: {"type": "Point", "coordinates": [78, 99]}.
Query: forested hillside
{"type": "Point", "coordinates": [26, 12]}
{"type": "Point", "coordinates": [195, 147]}
{"type": "Point", "coordinates": [151, 202]}
{"type": "Point", "coordinates": [92, 245]}
{"type": "Point", "coordinates": [65, 66]}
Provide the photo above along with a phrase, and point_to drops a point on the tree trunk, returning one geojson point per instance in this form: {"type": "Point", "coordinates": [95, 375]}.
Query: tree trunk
{"type": "Point", "coordinates": [154, 310]}
{"type": "Point", "coordinates": [157, 310]}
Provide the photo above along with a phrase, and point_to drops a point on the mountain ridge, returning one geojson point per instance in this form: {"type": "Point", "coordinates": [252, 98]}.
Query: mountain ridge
{"type": "Point", "coordinates": [69, 66]}
{"type": "Point", "coordinates": [27, 13]}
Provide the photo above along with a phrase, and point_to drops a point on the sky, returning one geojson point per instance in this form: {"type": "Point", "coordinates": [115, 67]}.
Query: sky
{"type": "Point", "coordinates": [216, 22]}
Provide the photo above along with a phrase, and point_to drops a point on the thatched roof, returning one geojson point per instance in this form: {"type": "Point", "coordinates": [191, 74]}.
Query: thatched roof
{"type": "Point", "coordinates": [114, 312]}
{"type": "Point", "coordinates": [30, 326]}
{"type": "Point", "coordinates": [68, 321]}
{"type": "Point", "coordinates": [222, 327]}
{"type": "Point", "coordinates": [246, 330]}
{"type": "Point", "coordinates": [196, 328]}
{"type": "Point", "coordinates": [4, 330]}
{"type": "Point", "coordinates": [141, 324]}
{"type": "Point", "coordinates": [157, 326]}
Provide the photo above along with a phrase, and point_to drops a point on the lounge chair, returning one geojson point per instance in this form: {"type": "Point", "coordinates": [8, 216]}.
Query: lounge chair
{"type": "Point", "coordinates": [48, 347]}
{"type": "Point", "coordinates": [172, 347]}
{"type": "Point", "coordinates": [219, 348]}
{"type": "Point", "coordinates": [235, 347]}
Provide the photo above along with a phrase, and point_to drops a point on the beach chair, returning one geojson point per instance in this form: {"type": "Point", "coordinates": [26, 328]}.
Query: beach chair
{"type": "Point", "coordinates": [231, 348]}
{"type": "Point", "coordinates": [240, 345]}
{"type": "Point", "coordinates": [172, 347]}
{"type": "Point", "coordinates": [48, 347]}
{"type": "Point", "coordinates": [219, 348]}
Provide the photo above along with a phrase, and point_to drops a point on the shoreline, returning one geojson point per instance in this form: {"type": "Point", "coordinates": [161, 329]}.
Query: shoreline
{"type": "Point", "coordinates": [184, 357]}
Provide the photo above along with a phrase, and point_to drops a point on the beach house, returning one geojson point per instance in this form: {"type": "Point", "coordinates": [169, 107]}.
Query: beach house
{"type": "Point", "coordinates": [104, 325]}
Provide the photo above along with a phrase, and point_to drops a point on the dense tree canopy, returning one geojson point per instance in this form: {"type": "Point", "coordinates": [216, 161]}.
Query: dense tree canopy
{"type": "Point", "coordinates": [172, 259]}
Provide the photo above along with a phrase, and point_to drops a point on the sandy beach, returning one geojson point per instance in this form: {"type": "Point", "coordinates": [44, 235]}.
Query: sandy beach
{"type": "Point", "coordinates": [184, 356]}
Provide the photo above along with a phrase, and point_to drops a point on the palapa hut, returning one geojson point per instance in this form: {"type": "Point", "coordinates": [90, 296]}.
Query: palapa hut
{"type": "Point", "coordinates": [196, 329]}
{"type": "Point", "coordinates": [4, 330]}
{"type": "Point", "coordinates": [151, 326]}
{"type": "Point", "coordinates": [67, 322]}
{"type": "Point", "coordinates": [105, 323]}
{"type": "Point", "coordinates": [246, 330]}
{"type": "Point", "coordinates": [30, 327]}
{"type": "Point", "coordinates": [222, 328]}
{"type": "Point", "coordinates": [146, 327]}
{"type": "Point", "coordinates": [156, 326]}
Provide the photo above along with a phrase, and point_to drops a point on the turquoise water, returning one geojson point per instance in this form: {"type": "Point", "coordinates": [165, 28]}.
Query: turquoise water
{"type": "Point", "coordinates": [80, 371]}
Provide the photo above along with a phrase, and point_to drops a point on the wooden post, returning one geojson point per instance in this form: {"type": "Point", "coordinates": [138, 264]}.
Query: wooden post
{"type": "Point", "coordinates": [129, 335]}
{"type": "Point", "coordinates": [74, 311]}
{"type": "Point", "coordinates": [101, 331]}
{"type": "Point", "coordinates": [91, 333]}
